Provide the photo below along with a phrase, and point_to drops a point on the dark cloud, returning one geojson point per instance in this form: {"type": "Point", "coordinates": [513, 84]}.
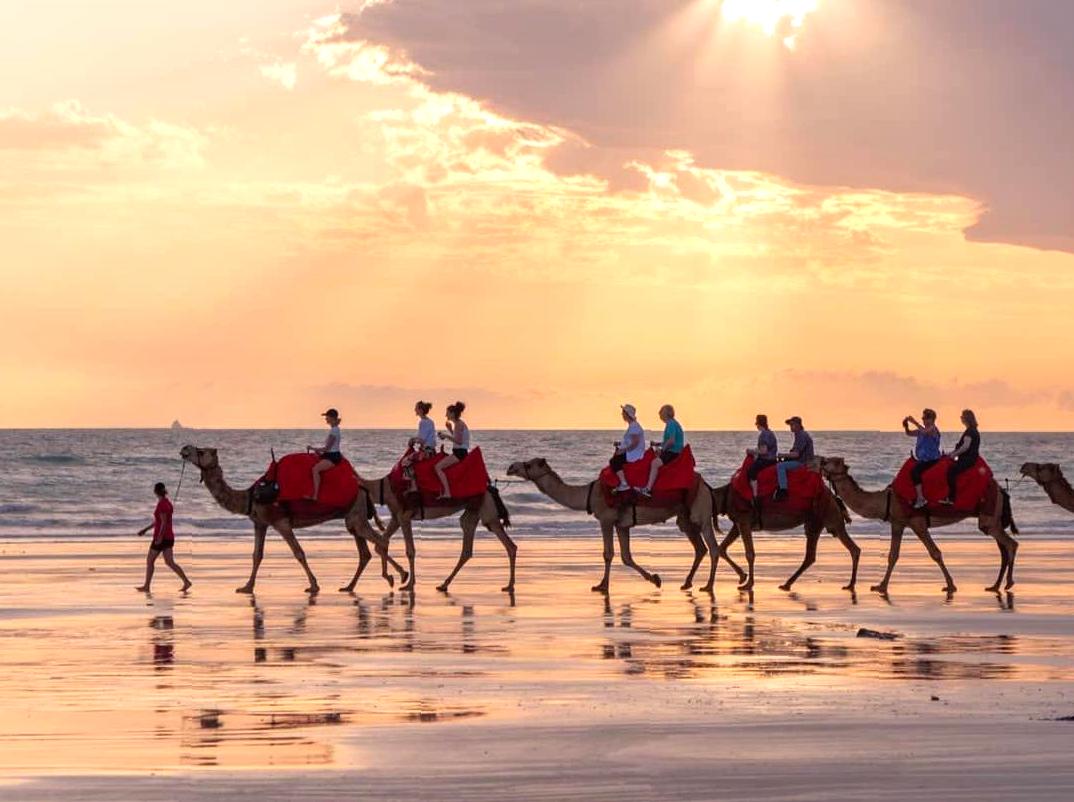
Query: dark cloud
{"type": "Point", "coordinates": [964, 96]}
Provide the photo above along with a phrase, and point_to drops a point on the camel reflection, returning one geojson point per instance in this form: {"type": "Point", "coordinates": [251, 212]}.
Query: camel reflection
{"type": "Point", "coordinates": [701, 642]}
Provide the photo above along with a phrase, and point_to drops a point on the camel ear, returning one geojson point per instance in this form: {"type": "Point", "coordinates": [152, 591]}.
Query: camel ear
{"type": "Point", "coordinates": [541, 462]}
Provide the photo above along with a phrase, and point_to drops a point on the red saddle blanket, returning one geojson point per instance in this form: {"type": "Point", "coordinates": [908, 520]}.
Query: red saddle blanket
{"type": "Point", "coordinates": [294, 474]}
{"type": "Point", "coordinates": [466, 479]}
{"type": "Point", "coordinates": [671, 481]}
{"type": "Point", "coordinates": [804, 486]}
{"type": "Point", "coordinates": [971, 487]}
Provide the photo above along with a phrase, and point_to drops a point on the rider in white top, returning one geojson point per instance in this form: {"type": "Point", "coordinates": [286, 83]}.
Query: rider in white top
{"type": "Point", "coordinates": [630, 449]}
{"type": "Point", "coordinates": [459, 435]}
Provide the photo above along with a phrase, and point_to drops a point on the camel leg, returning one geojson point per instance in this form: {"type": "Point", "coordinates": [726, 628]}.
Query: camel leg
{"type": "Point", "coordinates": [732, 536]}
{"type": "Point", "coordinates": [934, 552]}
{"type": "Point", "coordinates": [628, 559]}
{"type": "Point", "coordinates": [893, 557]}
{"type": "Point", "coordinates": [408, 540]}
{"type": "Point", "coordinates": [493, 525]}
{"type": "Point", "coordinates": [1007, 547]}
{"type": "Point", "coordinates": [468, 521]}
{"type": "Point", "coordinates": [364, 556]}
{"type": "Point", "coordinates": [841, 534]}
{"type": "Point", "coordinates": [746, 532]}
{"type": "Point", "coordinates": [693, 534]}
{"type": "Point", "coordinates": [708, 536]}
{"type": "Point", "coordinates": [288, 534]}
{"type": "Point", "coordinates": [609, 553]}
{"type": "Point", "coordinates": [812, 536]}
{"type": "Point", "coordinates": [260, 531]}
{"type": "Point", "coordinates": [385, 556]}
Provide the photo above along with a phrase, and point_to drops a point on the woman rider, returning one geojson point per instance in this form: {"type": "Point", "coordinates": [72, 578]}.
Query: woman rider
{"type": "Point", "coordinates": [459, 435]}
{"type": "Point", "coordinates": [926, 449]}
{"type": "Point", "coordinates": [422, 445]}
{"type": "Point", "coordinates": [965, 454]}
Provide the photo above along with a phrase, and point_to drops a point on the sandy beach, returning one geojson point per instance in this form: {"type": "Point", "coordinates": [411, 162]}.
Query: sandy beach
{"type": "Point", "coordinates": [559, 693]}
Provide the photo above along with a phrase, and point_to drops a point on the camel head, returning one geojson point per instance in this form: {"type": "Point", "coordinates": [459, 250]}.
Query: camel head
{"type": "Point", "coordinates": [833, 467]}
{"type": "Point", "coordinates": [1041, 472]}
{"type": "Point", "coordinates": [202, 458]}
{"type": "Point", "coordinates": [530, 469]}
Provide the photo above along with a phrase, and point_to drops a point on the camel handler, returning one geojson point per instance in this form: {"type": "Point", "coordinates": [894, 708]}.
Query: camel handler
{"type": "Point", "coordinates": [765, 453]}
{"type": "Point", "coordinates": [163, 539]}
{"type": "Point", "coordinates": [800, 455]}
{"type": "Point", "coordinates": [669, 448]}
{"type": "Point", "coordinates": [630, 449]}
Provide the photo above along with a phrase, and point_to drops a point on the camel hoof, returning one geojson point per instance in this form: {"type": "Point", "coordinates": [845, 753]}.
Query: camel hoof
{"type": "Point", "coordinates": [879, 589]}
{"type": "Point", "coordinates": [746, 586]}
{"type": "Point", "coordinates": [245, 589]}
{"type": "Point", "coordinates": [785, 586]}
{"type": "Point", "coordinates": [601, 588]}
{"type": "Point", "coordinates": [849, 587]}
{"type": "Point", "coordinates": [404, 576]}
{"type": "Point", "coordinates": [707, 588]}
{"type": "Point", "coordinates": [1009, 585]}
{"type": "Point", "coordinates": [993, 588]}
{"type": "Point", "coordinates": [656, 579]}
{"type": "Point", "coordinates": [442, 588]}
{"type": "Point", "coordinates": [949, 589]}
{"type": "Point", "coordinates": [686, 585]}
{"type": "Point", "coordinates": [508, 589]}
{"type": "Point", "coordinates": [313, 590]}
{"type": "Point", "coordinates": [347, 589]}
{"type": "Point", "coordinates": [390, 580]}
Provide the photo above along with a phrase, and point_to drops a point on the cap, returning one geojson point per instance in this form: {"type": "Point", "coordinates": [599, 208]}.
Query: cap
{"type": "Point", "coordinates": [793, 419]}
{"type": "Point", "coordinates": [629, 410]}
{"type": "Point", "coordinates": [331, 412]}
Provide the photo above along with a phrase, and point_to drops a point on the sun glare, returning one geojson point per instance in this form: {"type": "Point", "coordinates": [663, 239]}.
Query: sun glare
{"type": "Point", "coordinates": [772, 16]}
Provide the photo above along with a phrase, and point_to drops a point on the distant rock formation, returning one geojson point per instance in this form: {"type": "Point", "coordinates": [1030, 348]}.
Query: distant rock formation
{"type": "Point", "coordinates": [176, 426]}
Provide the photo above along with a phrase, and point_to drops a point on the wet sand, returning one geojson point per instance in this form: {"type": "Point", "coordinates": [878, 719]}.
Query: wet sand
{"type": "Point", "coordinates": [559, 693]}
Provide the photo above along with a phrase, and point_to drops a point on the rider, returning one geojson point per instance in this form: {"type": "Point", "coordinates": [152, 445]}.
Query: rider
{"type": "Point", "coordinates": [630, 449]}
{"type": "Point", "coordinates": [926, 449]}
{"type": "Point", "coordinates": [332, 452]}
{"type": "Point", "coordinates": [801, 454]}
{"type": "Point", "coordinates": [459, 435]}
{"type": "Point", "coordinates": [965, 454]}
{"type": "Point", "coordinates": [670, 447]}
{"type": "Point", "coordinates": [420, 446]}
{"type": "Point", "coordinates": [765, 453]}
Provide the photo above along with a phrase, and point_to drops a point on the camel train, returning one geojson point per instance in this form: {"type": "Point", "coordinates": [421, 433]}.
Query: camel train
{"type": "Point", "coordinates": [696, 510]}
{"type": "Point", "coordinates": [641, 485]}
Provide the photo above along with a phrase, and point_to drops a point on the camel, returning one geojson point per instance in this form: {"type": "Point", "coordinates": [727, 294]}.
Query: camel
{"type": "Point", "coordinates": [487, 509]}
{"type": "Point", "coordinates": [1050, 477]}
{"type": "Point", "coordinates": [828, 516]}
{"type": "Point", "coordinates": [263, 516]}
{"type": "Point", "coordinates": [694, 521]}
{"type": "Point", "coordinates": [882, 505]}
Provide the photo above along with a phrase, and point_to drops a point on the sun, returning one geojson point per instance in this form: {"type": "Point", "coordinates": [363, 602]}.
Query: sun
{"type": "Point", "coordinates": [772, 16]}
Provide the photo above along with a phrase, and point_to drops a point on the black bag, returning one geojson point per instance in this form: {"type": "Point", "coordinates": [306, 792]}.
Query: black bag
{"type": "Point", "coordinates": [266, 491]}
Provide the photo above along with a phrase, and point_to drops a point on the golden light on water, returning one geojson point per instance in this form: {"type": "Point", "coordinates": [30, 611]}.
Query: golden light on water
{"type": "Point", "coordinates": [772, 16]}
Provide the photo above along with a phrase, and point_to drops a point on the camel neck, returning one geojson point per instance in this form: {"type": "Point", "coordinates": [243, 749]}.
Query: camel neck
{"type": "Point", "coordinates": [574, 497]}
{"type": "Point", "coordinates": [227, 497]}
{"type": "Point", "coordinates": [868, 503]}
{"type": "Point", "coordinates": [1060, 492]}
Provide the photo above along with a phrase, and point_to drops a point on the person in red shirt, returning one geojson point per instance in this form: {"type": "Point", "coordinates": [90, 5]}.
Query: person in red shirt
{"type": "Point", "coordinates": [163, 539]}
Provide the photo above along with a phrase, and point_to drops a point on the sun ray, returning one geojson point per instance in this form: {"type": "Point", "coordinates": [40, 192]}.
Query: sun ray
{"type": "Point", "coordinates": [774, 17]}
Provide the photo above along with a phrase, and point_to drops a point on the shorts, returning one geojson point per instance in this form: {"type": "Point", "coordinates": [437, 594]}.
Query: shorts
{"type": "Point", "coordinates": [162, 545]}
{"type": "Point", "coordinates": [335, 457]}
{"type": "Point", "coordinates": [617, 462]}
{"type": "Point", "coordinates": [667, 456]}
{"type": "Point", "coordinates": [460, 453]}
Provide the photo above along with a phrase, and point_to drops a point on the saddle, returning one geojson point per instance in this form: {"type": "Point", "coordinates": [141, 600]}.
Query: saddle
{"type": "Point", "coordinates": [805, 487]}
{"type": "Point", "coordinates": [971, 487]}
{"type": "Point", "coordinates": [468, 479]}
{"type": "Point", "coordinates": [674, 482]}
{"type": "Point", "coordinates": [289, 481]}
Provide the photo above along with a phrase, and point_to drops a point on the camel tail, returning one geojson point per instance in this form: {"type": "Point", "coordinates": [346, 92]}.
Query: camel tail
{"type": "Point", "coordinates": [501, 509]}
{"type": "Point", "coordinates": [1007, 519]}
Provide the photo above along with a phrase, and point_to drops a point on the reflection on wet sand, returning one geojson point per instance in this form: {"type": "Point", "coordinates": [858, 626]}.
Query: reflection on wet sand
{"type": "Point", "coordinates": [216, 679]}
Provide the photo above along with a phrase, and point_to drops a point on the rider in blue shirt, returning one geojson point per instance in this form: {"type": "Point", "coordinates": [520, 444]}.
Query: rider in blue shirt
{"type": "Point", "coordinates": [926, 448]}
{"type": "Point", "coordinates": [670, 447]}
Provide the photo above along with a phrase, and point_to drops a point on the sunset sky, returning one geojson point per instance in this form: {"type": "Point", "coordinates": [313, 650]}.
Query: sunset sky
{"type": "Point", "coordinates": [238, 213]}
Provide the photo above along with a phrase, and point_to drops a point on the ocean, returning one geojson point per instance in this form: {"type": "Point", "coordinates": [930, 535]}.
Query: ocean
{"type": "Point", "coordinates": [97, 483]}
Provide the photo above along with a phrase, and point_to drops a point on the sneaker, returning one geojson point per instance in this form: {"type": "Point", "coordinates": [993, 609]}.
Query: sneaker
{"type": "Point", "coordinates": [644, 491]}
{"type": "Point", "coordinates": [946, 502]}
{"type": "Point", "coordinates": [779, 495]}
{"type": "Point", "coordinates": [622, 488]}
{"type": "Point", "coordinates": [920, 504]}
